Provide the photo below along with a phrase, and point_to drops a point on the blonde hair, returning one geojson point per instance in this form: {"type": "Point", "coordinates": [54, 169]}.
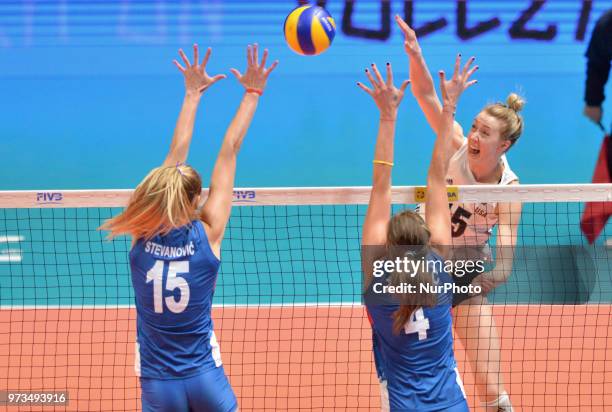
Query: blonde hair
{"type": "Point", "coordinates": [160, 203]}
{"type": "Point", "coordinates": [508, 115]}
{"type": "Point", "coordinates": [408, 228]}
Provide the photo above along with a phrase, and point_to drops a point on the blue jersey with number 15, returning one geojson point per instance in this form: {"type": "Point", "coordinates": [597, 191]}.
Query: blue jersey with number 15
{"type": "Point", "coordinates": [174, 278]}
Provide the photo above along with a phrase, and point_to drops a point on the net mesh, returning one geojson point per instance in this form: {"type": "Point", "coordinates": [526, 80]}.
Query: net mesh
{"type": "Point", "coordinates": [288, 314]}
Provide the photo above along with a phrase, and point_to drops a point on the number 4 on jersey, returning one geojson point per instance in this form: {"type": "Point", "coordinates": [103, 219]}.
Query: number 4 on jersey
{"type": "Point", "coordinates": [173, 282]}
{"type": "Point", "coordinates": [418, 323]}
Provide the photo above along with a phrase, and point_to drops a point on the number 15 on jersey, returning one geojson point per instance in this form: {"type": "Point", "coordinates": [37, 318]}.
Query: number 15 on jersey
{"type": "Point", "coordinates": [173, 282]}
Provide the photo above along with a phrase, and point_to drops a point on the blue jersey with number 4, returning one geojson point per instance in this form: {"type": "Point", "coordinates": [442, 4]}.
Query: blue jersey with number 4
{"type": "Point", "coordinates": [174, 279]}
{"type": "Point", "coordinates": [418, 364]}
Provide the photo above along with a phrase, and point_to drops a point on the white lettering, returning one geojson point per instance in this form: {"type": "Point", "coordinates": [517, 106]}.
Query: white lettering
{"type": "Point", "coordinates": [389, 266]}
{"type": "Point", "coordinates": [170, 251]}
{"type": "Point", "coordinates": [426, 288]}
{"type": "Point", "coordinates": [377, 268]}
{"type": "Point", "coordinates": [412, 267]}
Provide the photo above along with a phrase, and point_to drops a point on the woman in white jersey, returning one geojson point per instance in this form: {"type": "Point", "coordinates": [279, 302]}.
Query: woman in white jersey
{"type": "Point", "coordinates": [479, 159]}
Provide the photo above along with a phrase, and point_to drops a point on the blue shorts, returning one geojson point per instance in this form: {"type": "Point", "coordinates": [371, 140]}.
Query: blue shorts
{"type": "Point", "coordinates": [209, 391]}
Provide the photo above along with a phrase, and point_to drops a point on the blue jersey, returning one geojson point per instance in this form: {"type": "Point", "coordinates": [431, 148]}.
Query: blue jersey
{"type": "Point", "coordinates": [174, 279]}
{"type": "Point", "coordinates": [418, 364]}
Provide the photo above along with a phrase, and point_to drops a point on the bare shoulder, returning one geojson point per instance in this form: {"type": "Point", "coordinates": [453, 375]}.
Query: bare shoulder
{"type": "Point", "coordinates": [215, 244]}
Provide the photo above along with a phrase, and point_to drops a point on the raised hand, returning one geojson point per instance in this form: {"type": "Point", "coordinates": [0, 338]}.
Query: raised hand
{"type": "Point", "coordinates": [453, 88]}
{"type": "Point", "coordinates": [386, 96]}
{"type": "Point", "coordinates": [196, 78]}
{"type": "Point", "coordinates": [411, 44]}
{"type": "Point", "coordinates": [256, 75]}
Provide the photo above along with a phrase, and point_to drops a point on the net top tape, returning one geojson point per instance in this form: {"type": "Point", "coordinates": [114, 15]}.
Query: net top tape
{"type": "Point", "coordinates": [322, 195]}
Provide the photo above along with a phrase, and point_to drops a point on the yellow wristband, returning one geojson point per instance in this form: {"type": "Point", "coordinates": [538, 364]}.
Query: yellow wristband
{"type": "Point", "coordinates": [382, 162]}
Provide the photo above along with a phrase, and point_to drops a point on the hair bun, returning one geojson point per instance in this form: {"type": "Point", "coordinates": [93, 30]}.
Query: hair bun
{"type": "Point", "coordinates": [515, 102]}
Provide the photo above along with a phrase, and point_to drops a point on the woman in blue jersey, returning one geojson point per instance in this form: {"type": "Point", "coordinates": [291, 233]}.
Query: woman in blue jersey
{"type": "Point", "coordinates": [175, 253]}
{"type": "Point", "coordinates": [479, 158]}
{"type": "Point", "coordinates": [412, 330]}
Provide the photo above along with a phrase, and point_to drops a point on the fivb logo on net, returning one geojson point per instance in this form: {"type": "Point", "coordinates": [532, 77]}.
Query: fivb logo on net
{"type": "Point", "coordinates": [49, 198]}
{"type": "Point", "coordinates": [242, 196]}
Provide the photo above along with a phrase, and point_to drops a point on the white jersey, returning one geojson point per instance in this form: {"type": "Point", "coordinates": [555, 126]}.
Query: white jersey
{"type": "Point", "coordinates": [472, 223]}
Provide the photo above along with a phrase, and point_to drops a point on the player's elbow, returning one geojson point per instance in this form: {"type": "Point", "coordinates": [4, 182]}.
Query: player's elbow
{"type": "Point", "coordinates": [231, 147]}
{"type": "Point", "coordinates": [227, 157]}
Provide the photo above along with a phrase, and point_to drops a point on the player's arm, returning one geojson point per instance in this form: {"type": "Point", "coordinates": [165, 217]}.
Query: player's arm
{"type": "Point", "coordinates": [196, 82]}
{"type": "Point", "coordinates": [422, 85]}
{"type": "Point", "coordinates": [387, 98]}
{"type": "Point", "coordinates": [216, 210]}
{"type": "Point", "coordinates": [436, 211]}
{"type": "Point", "coordinates": [507, 235]}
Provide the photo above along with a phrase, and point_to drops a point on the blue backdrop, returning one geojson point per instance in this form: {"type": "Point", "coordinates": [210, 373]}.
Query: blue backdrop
{"type": "Point", "coordinates": [90, 95]}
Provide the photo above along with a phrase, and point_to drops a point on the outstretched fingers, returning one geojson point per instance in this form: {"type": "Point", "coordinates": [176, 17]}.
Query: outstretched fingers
{"type": "Point", "coordinates": [369, 75]}
{"type": "Point", "coordinates": [255, 54]}
{"type": "Point", "coordinates": [249, 56]}
{"type": "Point", "coordinates": [468, 72]}
{"type": "Point", "coordinates": [206, 57]}
{"type": "Point", "coordinates": [470, 83]}
{"type": "Point", "coordinates": [464, 73]}
{"type": "Point", "coordinates": [379, 78]}
{"type": "Point", "coordinates": [442, 76]}
{"type": "Point", "coordinates": [443, 83]}
{"type": "Point", "coordinates": [471, 72]}
{"type": "Point", "coordinates": [256, 74]}
{"type": "Point", "coordinates": [378, 82]}
{"type": "Point", "coordinates": [389, 75]}
{"type": "Point", "coordinates": [404, 27]}
{"type": "Point", "coordinates": [457, 66]}
{"type": "Point", "coordinates": [184, 57]}
{"type": "Point", "coordinates": [177, 64]}
{"type": "Point", "coordinates": [217, 78]}
{"type": "Point", "coordinates": [236, 73]}
{"type": "Point", "coordinates": [365, 88]}
{"type": "Point", "coordinates": [269, 69]}
{"type": "Point", "coordinates": [196, 54]}
{"type": "Point", "coordinates": [213, 80]}
{"type": "Point", "coordinates": [194, 73]}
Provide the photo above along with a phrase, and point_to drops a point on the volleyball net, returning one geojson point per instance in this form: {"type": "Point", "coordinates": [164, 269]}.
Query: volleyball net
{"type": "Point", "coordinates": [288, 308]}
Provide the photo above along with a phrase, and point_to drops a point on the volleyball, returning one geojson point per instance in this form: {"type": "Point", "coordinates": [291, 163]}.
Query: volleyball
{"type": "Point", "coordinates": [309, 30]}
